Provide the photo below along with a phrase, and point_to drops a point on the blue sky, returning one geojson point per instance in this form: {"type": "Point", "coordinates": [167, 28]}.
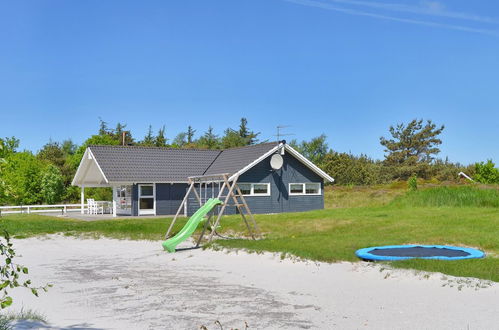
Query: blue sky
{"type": "Point", "coordinates": [346, 68]}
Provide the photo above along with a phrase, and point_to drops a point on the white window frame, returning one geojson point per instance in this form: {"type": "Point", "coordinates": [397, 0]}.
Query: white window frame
{"type": "Point", "coordinates": [139, 192]}
{"type": "Point", "coordinates": [303, 191]}
{"type": "Point", "coordinates": [252, 188]}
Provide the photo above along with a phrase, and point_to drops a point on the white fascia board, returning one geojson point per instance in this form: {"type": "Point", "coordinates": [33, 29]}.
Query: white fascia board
{"type": "Point", "coordinates": [252, 164]}
{"type": "Point", "coordinates": [88, 156]}
{"type": "Point", "coordinates": [98, 166]}
{"type": "Point", "coordinates": [80, 167]}
{"type": "Point", "coordinates": [308, 163]}
{"type": "Point", "coordinates": [293, 152]}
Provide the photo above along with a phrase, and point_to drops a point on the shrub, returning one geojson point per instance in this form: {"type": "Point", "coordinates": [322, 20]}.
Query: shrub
{"type": "Point", "coordinates": [52, 185]}
{"type": "Point", "coordinates": [486, 172]}
{"type": "Point", "coordinates": [412, 183]}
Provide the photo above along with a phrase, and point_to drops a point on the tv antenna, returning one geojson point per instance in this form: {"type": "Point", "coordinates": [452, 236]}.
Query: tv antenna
{"type": "Point", "coordinates": [279, 132]}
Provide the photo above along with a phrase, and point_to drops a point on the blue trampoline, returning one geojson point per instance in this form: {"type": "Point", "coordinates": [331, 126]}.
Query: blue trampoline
{"type": "Point", "coordinates": [404, 252]}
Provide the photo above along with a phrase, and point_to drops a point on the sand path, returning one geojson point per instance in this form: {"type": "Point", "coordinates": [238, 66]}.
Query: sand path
{"type": "Point", "coordinates": [113, 284]}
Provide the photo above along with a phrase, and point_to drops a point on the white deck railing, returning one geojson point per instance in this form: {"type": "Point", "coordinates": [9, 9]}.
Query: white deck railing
{"type": "Point", "coordinates": [62, 208]}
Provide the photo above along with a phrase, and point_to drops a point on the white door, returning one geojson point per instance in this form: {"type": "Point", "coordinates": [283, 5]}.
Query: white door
{"type": "Point", "coordinates": [147, 200]}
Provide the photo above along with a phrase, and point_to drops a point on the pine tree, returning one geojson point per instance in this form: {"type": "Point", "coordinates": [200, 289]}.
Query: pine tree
{"type": "Point", "coordinates": [103, 129]}
{"type": "Point", "coordinates": [190, 134]}
{"type": "Point", "coordinates": [209, 140]}
{"type": "Point", "coordinates": [160, 140]}
{"type": "Point", "coordinates": [149, 138]}
{"type": "Point", "coordinates": [249, 137]}
{"type": "Point", "coordinates": [412, 143]}
{"type": "Point", "coordinates": [232, 139]}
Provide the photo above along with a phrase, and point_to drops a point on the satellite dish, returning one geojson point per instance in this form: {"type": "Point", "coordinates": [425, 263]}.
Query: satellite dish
{"type": "Point", "coordinates": [276, 161]}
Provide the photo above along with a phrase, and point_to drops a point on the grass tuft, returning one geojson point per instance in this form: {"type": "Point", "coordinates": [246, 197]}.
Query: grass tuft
{"type": "Point", "coordinates": [450, 196]}
{"type": "Point", "coordinates": [7, 319]}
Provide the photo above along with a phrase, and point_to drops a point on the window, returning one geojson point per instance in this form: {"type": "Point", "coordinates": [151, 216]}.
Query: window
{"type": "Point", "coordinates": [245, 188]}
{"type": "Point", "coordinates": [146, 199]}
{"type": "Point", "coordinates": [296, 188]}
{"type": "Point", "coordinates": [146, 190]}
{"type": "Point", "coordinates": [305, 188]}
{"type": "Point", "coordinates": [260, 189]}
{"type": "Point", "coordinates": [255, 189]}
{"type": "Point", "coordinates": [312, 188]}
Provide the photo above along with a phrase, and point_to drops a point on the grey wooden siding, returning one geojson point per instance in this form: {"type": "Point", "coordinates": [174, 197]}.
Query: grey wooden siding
{"type": "Point", "coordinates": [168, 198]}
{"type": "Point", "coordinates": [135, 200]}
{"type": "Point", "coordinates": [211, 191]}
{"type": "Point", "coordinates": [293, 171]}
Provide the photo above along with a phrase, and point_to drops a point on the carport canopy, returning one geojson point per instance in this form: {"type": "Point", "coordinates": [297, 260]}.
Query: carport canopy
{"type": "Point", "coordinates": [89, 174]}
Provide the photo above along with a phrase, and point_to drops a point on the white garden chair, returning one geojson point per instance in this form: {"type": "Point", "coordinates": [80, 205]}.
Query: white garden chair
{"type": "Point", "coordinates": [91, 206]}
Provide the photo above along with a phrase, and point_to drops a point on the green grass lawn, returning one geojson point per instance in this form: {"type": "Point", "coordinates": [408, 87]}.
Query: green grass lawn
{"type": "Point", "coordinates": [460, 216]}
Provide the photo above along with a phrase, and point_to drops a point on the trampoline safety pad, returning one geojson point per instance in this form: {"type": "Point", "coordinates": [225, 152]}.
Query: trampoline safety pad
{"type": "Point", "coordinates": [403, 252]}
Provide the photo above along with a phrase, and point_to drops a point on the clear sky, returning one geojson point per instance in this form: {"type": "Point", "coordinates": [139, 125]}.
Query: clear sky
{"type": "Point", "coordinates": [346, 68]}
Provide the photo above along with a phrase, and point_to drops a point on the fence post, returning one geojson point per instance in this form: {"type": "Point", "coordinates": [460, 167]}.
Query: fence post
{"type": "Point", "coordinates": [65, 210]}
{"type": "Point", "coordinates": [29, 210]}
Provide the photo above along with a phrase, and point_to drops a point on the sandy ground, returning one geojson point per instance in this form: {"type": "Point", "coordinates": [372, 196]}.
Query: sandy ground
{"type": "Point", "coordinates": [113, 284]}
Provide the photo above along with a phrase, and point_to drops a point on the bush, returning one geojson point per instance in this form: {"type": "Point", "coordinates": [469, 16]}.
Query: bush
{"type": "Point", "coordinates": [486, 172]}
{"type": "Point", "coordinates": [412, 184]}
{"type": "Point", "coordinates": [348, 169]}
{"type": "Point", "coordinates": [52, 185]}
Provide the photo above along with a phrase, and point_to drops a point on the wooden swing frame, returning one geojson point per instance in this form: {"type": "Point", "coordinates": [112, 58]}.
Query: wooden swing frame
{"type": "Point", "coordinates": [234, 193]}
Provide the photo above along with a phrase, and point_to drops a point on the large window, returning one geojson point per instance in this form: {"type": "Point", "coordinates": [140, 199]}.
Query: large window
{"type": "Point", "coordinates": [305, 188]}
{"type": "Point", "coordinates": [255, 189]}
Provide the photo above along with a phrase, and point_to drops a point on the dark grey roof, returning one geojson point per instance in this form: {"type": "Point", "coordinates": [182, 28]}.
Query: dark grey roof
{"type": "Point", "coordinates": [152, 164]}
{"type": "Point", "coordinates": [232, 160]}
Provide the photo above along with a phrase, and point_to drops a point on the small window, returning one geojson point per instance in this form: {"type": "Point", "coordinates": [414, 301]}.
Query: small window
{"type": "Point", "coordinates": [312, 188]}
{"type": "Point", "coordinates": [260, 189]}
{"type": "Point", "coordinates": [146, 191]}
{"type": "Point", "coordinates": [255, 189]}
{"type": "Point", "coordinates": [245, 188]}
{"type": "Point", "coordinates": [123, 191]}
{"type": "Point", "coordinates": [305, 188]}
{"type": "Point", "coordinates": [296, 188]}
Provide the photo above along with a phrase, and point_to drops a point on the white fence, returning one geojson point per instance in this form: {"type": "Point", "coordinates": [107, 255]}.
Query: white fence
{"type": "Point", "coordinates": [61, 208]}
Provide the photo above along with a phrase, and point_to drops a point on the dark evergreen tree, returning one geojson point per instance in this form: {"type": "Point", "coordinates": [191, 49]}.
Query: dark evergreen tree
{"type": "Point", "coordinates": [103, 128]}
{"type": "Point", "coordinates": [412, 143]}
{"type": "Point", "coordinates": [160, 140]}
{"type": "Point", "coordinates": [209, 140]}
{"type": "Point", "coordinates": [190, 134]}
{"type": "Point", "coordinates": [249, 137]}
{"type": "Point", "coordinates": [232, 139]}
{"type": "Point", "coordinates": [119, 133]}
{"type": "Point", "coordinates": [149, 138]}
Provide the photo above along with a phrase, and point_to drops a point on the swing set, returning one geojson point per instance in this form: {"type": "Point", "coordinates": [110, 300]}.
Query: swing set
{"type": "Point", "coordinates": [216, 207]}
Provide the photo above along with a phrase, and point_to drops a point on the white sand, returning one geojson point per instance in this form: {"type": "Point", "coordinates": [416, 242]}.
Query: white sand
{"type": "Point", "coordinates": [113, 284]}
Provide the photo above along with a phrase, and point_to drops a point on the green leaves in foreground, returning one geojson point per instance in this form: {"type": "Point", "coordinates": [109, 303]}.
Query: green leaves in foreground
{"type": "Point", "coordinates": [11, 273]}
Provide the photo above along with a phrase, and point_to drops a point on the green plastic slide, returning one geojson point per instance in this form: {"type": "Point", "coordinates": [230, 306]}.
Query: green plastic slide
{"type": "Point", "coordinates": [191, 225]}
